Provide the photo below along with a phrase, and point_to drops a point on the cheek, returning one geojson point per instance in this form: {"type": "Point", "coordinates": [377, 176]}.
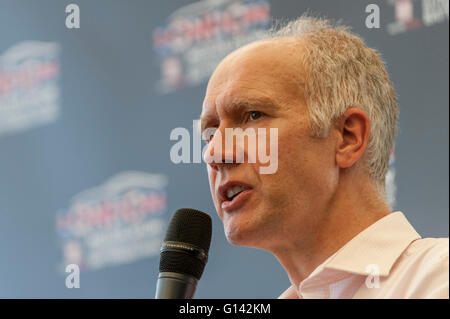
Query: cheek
{"type": "Point", "coordinates": [212, 178]}
{"type": "Point", "coordinates": [210, 175]}
{"type": "Point", "coordinates": [213, 185]}
{"type": "Point", "coordinates": [306, 164]}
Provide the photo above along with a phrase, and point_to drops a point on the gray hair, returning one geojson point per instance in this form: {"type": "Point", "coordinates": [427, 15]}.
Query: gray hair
{"type": "Point", "coordinates": [342, 72]}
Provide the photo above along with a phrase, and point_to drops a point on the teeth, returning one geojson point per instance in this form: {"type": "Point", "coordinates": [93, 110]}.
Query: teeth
{"type": "Point", "coordinates": [234, 190]}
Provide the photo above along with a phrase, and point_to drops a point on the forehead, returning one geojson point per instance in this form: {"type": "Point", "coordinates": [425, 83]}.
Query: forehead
{"type": "Point", "coordinates": [266, 69]}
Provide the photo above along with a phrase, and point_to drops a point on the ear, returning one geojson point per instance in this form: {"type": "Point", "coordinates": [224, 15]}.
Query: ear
{"type": "Point", "coordinates": [353, 129]}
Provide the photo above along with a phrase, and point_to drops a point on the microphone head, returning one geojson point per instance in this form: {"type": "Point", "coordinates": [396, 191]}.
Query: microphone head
{"type": "Point", "coordinates": [186, 245]}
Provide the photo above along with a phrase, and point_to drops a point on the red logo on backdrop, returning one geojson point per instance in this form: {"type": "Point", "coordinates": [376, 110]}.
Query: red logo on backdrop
{"type": "Point", "coordinates": [115, 223]}
{"type": "Point", "coordinates": [406, 17]}
{"type": "Point", "coordinates": [404, 11]}
{"type": "Point", "coordinates": [198, 36]}
{"type": "Point", "coordinates": [29, 90]}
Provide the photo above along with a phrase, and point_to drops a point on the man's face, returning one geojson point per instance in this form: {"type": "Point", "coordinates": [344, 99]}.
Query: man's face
{"type": "Point", "coordinates": [259, 86]}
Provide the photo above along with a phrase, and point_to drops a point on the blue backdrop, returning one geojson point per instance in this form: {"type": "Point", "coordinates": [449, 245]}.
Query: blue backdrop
{"type": "Point", "coordinates": [86, 115]}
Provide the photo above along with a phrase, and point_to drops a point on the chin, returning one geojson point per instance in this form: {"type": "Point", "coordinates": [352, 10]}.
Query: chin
{"type": "Point", "coordinates": [235, 240]}
{"type": "Point", "coordinates": [241, 236]}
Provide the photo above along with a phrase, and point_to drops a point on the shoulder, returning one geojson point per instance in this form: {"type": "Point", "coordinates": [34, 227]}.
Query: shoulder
{"type": "Point", "coordinates": [289, 293]}
{"type": "Point", "coordinates": [435, 249]}
{"type": "Point", "coordinates": [425, 263]}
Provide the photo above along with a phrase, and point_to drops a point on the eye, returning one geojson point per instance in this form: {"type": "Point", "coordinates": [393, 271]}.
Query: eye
{"type": "Point", "coordinates": [254, 115]}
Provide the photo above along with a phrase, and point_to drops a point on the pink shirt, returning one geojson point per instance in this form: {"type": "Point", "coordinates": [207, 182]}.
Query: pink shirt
{"type": "Point", "coordinates": [389, 259]}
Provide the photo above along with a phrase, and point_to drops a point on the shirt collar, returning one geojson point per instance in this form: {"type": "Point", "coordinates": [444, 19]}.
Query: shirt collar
{"type": "Point", "coordinates": [380, 244]}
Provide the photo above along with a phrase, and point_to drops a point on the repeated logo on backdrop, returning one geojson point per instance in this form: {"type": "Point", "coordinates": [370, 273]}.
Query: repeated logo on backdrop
{"type": "Point", "coordinates": [29, 90]}
{"type": "Point", "coordinates": [407, 16]}
{"type": "Point", "coordinates": [198, 36]}
{"type": "Point", "coordinates": [118, 222]}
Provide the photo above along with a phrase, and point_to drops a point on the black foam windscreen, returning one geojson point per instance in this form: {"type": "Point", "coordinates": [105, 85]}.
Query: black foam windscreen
{"type": "Point", "coordinates": [191, 227]}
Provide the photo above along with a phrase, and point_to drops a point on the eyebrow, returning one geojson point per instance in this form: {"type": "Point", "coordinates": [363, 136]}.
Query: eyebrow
{"type": "Point", "coordinates": [238, 104]}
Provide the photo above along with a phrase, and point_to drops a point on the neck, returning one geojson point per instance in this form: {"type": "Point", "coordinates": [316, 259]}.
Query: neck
{"type": "Point", "coordinates": [351, 210]}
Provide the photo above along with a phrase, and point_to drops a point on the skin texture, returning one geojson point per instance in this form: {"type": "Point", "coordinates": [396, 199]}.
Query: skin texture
{"type": "Point", "coordinates": [321, 195]}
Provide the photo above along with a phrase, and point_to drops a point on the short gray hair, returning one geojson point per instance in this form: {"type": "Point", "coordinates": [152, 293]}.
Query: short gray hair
{"type": "Point", "coordinates": [342, 72]}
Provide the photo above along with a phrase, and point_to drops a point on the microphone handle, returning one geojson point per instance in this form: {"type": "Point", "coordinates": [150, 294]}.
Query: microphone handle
{"type": "Point", "coordinates": [172, 285]}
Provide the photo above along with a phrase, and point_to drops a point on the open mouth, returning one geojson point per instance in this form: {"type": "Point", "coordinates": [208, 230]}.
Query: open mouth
{"type": "Point", "coordinates": [234, 195]}
{"type": "Point", "coordinates": [234, 191]}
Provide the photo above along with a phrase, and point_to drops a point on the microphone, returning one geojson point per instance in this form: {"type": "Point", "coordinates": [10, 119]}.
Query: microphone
{"type": "Point", "coordinates": [184, 254]}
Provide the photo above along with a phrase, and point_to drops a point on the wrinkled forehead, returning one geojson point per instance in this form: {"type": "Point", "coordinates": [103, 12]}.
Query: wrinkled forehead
{"type": "Point", "coordinates": [268, 69]}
